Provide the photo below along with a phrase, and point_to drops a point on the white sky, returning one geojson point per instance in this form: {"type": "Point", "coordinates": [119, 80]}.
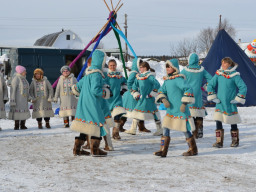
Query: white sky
{"type": "Point", "coordinates": [152, 24]}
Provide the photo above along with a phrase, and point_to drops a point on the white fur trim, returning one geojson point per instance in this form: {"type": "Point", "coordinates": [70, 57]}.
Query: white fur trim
{"type": "Point", "coordinates": [128, 114]}
{"type": "Point", "coordinates": [160, 96]}
{"type": "Point", "coordinates": [92, 130]}
{"type": "Point", "coordinates": [110, 122]}
{"type": "Point", "coordinates": [65, 113]}
{"type": "Point", "coordinates": [194, 70]}
{"type": "Point", "coordinates": [240, 100]}
{"type": "Point", "coordinates": [197, 112]}
{"type": "Point", "coordinates": [211, 97]}
{"type": "Point", "coordinates": [170, 63]}
{"type": "Point", "coordinates": [144, 116]}
{"type": "Point", "coordinates": [124, 87]}
{"type": "Point", "coordinates": [135, 95]}
{"type": "Point", "coordinates": [189, 100]}
{"type": "Point", "coordinates": [42, 114]}
{"type": "Point", "coordinates": [107, 91]}
{"type": "Point", "coordinates": [118, 111]}
{"type": "Point", "coordinates": [90, 71]}
{"type": "Point", "coordinates": [232, 69]}
{"type": "Point", "coordinates": [178, 124]}
{"type": "Point", "coordinates": [233, 119]}
{"type": "Point", "coordinates": [232, 75]}
{"type": "Point", "coordinates": [75, 92]}
{"type": "Point", "coordinates": [153, 93]}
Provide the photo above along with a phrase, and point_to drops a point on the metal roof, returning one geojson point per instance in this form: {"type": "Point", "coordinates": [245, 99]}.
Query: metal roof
{"type": "Point", "coordinates": [47, 40]}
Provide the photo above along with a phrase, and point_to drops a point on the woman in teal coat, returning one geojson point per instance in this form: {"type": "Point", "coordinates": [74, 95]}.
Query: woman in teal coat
{"type": "Point", "coordinates": [176, 93]}
{"type": "Point", "coordinates": [228, 81]}
{"type": "Point", "coordinates": [89, 119]}
{"type": "Point", "coordinates": [195, 74]}
{"type": "Point", "coordinates": [144, 90]}
{"type": "Point", "coordinates": [129, 102]}
{"type": "Point", "coordinates": [118, 87]}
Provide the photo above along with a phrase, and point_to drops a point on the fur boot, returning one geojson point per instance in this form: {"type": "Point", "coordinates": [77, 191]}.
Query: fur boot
{"type": "Point", "coordinates": [107, 139]}
{"type": "Point", "coordinates": [159, 129]}
{"type": "Point", "coordinates": [115, 132]}
{"type": "Point", "coordinates": [22, 124]}
{"type": "Point", "coordinates": [47, 124]}
{"type": "Point", "coordinates": [142, 127]}
{"type": "Point", "coordinates": [39, 124]}
{"type": "Point", "coordinates": [122, 122]}
{"type": "Point", "coordinates": [200, 126]}
{"type": "Point", "coordinates": [66, 122]}
{"type": "Point", "coordinates": [95, 150]}
{"type": "Point", "coordinates": [192, 147]}
{"type": "Point", "coordinates": [87, 146]}
{"type": "Point", "coordinates": [133, 128]}
{"type": "Point", "coordinates": [16, 125]}
{"type": "Point", "coordinates": [77, 147]}
{"type": "Point", "coordinates": [165, 141]}
{"type": "Point", "coordinates": [235, 138]}
{"type": "Point", "coordinates": [219, 138]}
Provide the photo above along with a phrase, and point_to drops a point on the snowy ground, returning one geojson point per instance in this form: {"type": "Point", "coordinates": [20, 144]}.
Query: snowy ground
{"type": "Point", "coordinates": [42, 160]}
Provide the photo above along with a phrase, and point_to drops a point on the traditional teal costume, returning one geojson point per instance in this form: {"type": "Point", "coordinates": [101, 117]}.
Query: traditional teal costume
{"type": "Point", "coordinates": [178, 93]}
{"type": "Point", "coordinates": [195, 74]}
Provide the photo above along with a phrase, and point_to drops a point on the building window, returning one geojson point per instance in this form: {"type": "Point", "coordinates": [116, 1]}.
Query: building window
{"type": "Point", "coordinates": [68, 37]}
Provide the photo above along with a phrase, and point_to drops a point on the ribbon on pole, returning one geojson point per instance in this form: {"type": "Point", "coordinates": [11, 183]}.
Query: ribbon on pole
{"type": "Point", "coordinates": [121, 52]}
{"type": "Point", "coordinates": [124, 37]}
{"type": "Point", "coordinates": [106, 30]}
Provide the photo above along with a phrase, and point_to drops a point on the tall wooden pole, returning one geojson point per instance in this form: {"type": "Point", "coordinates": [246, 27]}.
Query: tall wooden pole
{"type": "Point", "coordinates": [126, 47]}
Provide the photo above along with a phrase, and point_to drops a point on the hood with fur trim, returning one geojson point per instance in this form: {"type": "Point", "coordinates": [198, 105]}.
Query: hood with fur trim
{"type": "Point", "coordinates": [174, 63]}
{"type": "Point", "coordinates": [193, 61]}
{"type": "Point", "coordinates": [98, 60]}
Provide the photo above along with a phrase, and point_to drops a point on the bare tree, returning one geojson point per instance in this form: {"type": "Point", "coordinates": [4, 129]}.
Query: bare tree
{"type": "Point", "coordinates": [184, 48]}
{"type": "Point", "coordinates": [207, 36]}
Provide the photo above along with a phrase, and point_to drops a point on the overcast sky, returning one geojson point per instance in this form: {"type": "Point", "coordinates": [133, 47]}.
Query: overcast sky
{"type": "Point", "coordinates": [153, 25]}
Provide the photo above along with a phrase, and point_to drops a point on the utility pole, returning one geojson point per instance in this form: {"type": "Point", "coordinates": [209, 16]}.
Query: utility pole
{"type": "Point", "coordinates": [125, 28]}
{"type": "Point", "coordinates": [220, 23]}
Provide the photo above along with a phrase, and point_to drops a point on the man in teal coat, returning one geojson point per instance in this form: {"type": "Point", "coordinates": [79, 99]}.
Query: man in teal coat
{"type": "Point", "coordinates": [89, 119]}
{"type": "Point", "coordinates": [195, 74]}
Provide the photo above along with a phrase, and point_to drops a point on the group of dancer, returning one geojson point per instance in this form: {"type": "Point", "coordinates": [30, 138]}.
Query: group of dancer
{"type": "Point", "coordinates": [106, 99]}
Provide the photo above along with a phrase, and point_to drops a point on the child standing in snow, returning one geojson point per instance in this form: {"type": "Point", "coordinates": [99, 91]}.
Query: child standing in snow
{"type": "Point", "coordinates": [195, 74]}
{"type": "Point", "coordinates": [90, 118]}
{"type": "Point", "coordinates": [4, 97]}
{"type": "Point", "coordinates": [144, 90]}
{"type": "Point", "coordinates": [228, 81]}
{"type": "Point", "coordinates": [176, 93]}
{"type": "Point", "coordinates": [118, 87]}
{"type": "Point", "coordinates": [129, 102]}
{"type": "Point", "coordinates": [68, 101]}
{"type": "Point", "coordinates": [19, 98]}
{"type": "Point", "coordinates": [41, 92]}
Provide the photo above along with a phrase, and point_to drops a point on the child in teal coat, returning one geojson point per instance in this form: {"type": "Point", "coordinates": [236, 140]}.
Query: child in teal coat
{"type": "Point", "coordinates": [89, 119]}
{"type": "Point", "coordinates": [129, 102]}
{"type": "Point", "coordinates": [195, 74]}
{"type": "Point", "coordinates": [118, 87]}
{"type": "Point", "coordinates": [176, 94]}
{"type": "Point", "coordinates": [228, 81]}
{"type": "Point", "coordinates": [144, 90]}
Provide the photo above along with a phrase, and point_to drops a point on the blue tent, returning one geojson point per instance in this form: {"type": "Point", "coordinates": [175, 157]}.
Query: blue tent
{"type": "Point", "coordinates": [225, 46]}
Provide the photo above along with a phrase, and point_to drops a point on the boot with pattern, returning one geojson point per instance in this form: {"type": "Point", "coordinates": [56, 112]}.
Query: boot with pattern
{"type": "Point", "coordinates": [159, 129]}
{"type": "Point", "coordinates": [165, 141]}
{"type": "Point", "coordinates": [219, 138]}
{"type": "Point", "coordinates": [235, 138]}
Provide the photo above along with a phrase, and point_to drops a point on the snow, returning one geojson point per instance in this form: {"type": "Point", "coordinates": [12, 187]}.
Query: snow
{"type": "Point", "coordinates": [42, 160]}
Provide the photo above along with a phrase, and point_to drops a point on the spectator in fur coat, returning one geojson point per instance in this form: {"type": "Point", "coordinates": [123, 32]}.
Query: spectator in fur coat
{"type": "Point", "coordinates": [3, 97]}
{"type": "Point", "coordinates": [41, 92]}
